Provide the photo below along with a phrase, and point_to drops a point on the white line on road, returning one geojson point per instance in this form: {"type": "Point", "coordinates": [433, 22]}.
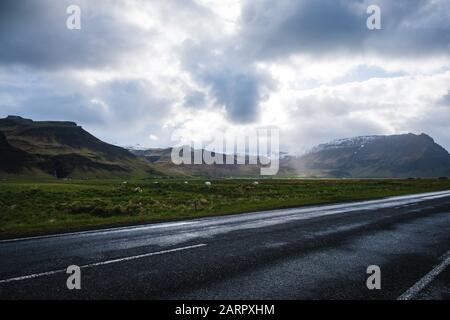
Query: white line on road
{"type": "Point", "coordinates": [36, 275]}
{"type": "Point", "coordinates": [427, 279]}
{"type": "Point", "coordinates": [106, 230]}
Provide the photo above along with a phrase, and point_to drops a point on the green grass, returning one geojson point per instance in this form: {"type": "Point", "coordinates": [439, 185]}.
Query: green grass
{"type": "Point", "coordinates": [52, 206]}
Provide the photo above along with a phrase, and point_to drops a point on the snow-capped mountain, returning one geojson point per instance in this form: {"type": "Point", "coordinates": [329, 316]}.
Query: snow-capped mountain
{"type": "Point", "coordinates": [355, 142]}
{"type": "Point", "coordinates": [405, 155]}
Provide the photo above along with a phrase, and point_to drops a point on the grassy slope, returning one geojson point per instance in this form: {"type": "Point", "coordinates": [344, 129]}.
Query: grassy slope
{"type": "Point", "coordinates": [50, 206]}
{"type": "Point", "coordinates": [88, 156]}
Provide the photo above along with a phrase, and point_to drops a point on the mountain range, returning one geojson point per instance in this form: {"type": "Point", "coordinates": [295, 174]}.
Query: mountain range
{"type": "Point", "coordinates": [66, 150]}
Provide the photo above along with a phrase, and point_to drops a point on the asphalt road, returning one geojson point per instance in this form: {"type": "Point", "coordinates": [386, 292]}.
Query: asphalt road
{"type": "Point", "coordinates": [317, 252]}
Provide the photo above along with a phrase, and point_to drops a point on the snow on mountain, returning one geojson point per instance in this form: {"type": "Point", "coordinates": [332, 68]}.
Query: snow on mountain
{"type": "Point", "coordinates": [354, 142]}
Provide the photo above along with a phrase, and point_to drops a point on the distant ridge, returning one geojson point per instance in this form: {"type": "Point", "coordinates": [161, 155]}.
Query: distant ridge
{"type": "Point", "coordinates": [161, 159]}
{"type": "Point", "coordinates": [63, 149]}
{"type": "Point", "coordinates": [393, 156]}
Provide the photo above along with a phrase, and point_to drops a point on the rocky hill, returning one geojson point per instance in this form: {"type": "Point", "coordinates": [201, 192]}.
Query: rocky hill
{"type": "Point", "coordinates": [62, 149]}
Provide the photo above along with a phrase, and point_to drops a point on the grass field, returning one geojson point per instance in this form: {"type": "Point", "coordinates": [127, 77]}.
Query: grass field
{"type": "Point", "coordinates": [52, 206]}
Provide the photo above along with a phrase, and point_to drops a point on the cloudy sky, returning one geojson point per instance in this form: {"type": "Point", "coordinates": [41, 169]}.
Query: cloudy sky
{"type": "Point", "coordinates": [138, 70]}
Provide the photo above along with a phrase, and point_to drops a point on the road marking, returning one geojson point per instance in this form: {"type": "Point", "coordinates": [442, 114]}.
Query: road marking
{"type": "Point", "coordinates": [102, 263]}
{"type": "Point", "coordinates": [427, 279]}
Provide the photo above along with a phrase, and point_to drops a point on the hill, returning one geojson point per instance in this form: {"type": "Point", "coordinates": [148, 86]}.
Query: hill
{"type": "Point", "coordinates": [394, 156]}
{"type": "Point", "coordinates": [62, 149]}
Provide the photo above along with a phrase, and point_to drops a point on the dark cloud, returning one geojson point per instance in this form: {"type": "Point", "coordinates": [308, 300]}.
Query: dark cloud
{"type": "Point", "coordinates": [44, 103]}
{"type": "Point", "coordinates": [34, 33]}
{"type": "Point", "coordinates": [118, 106]}
{"type": "Point", "coordinates": [275, 29]}
{"type": "Point", "coordinates": [279, 28]}
{"type": "Point", "coordinates": [445, 100]}
{"type": "Point", "coordinates": [234, 84]}
{"type": "Point", "coordinates": [239, 92]}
